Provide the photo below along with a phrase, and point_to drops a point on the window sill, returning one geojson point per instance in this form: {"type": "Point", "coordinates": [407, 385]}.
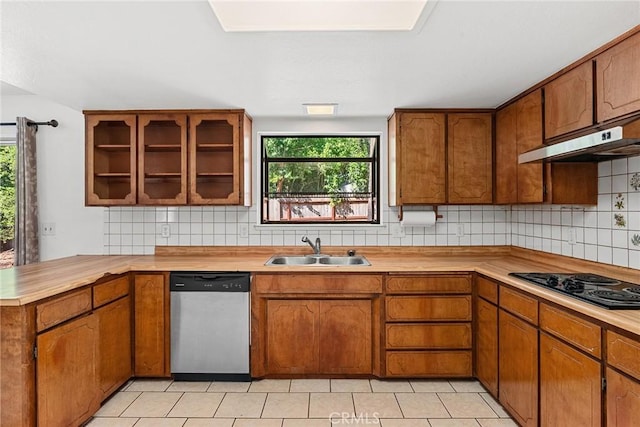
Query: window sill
{"type": "Point", "coordinates": [320, 227]}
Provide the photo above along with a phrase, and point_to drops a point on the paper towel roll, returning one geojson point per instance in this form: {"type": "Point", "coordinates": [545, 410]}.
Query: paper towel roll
{"type": "Point", "coordinates": [418, 219]}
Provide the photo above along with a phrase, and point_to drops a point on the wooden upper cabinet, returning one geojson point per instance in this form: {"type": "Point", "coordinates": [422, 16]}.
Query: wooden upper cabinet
{"type": "Point", "coordinates": [529, 136]}
{"type": "Point", "coordinates": [417, 158]}
{"type": "Point", "coordinates": [469, 152]}
{"type": "Point", "coordinates": [168, 157]}
{"type": "Point", "coordinates": [575, 183]}
{"type": "Point", "coordinates": [110, 159]}
{"type": "Point", "coordinates": [518, 130]}
{"type": "Point", "coordinates": [162, 159]}
{"type": "Point", "coordinates": [440, 157]}
{"type": "Point", "coordinates": [506, 156]}
{"type": "Point", "coordinates": [215, 156]}
{"type": "Point", "coordinates": [569, 101]}
{"type": "Point", "coordinates": [618, 79]}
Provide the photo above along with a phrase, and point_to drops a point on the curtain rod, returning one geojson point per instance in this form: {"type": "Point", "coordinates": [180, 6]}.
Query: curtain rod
{"type": "Point", "coordinates": [52, 123]}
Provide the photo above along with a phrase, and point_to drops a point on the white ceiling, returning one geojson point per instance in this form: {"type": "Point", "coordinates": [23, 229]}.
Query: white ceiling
{"type": "Point", "coordinates": [174, 54]}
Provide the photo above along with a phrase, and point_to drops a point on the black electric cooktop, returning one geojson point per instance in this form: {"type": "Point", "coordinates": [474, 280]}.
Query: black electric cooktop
{"type": "Point", "coordinates": [599, 290]}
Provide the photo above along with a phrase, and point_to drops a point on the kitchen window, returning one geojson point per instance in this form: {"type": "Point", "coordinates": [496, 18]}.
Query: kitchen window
{"type": "Point", "coordinates": [7, 201]}
{"type": "Point", "coordinates": [320, 179]}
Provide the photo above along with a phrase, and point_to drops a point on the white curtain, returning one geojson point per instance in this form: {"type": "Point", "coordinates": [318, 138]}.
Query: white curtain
{"type": "Point", "coordinates": [27, 249]}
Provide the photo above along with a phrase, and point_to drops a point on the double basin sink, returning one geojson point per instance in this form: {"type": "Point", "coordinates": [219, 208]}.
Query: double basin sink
{"type": "Point", "coordinates": [319, 260]}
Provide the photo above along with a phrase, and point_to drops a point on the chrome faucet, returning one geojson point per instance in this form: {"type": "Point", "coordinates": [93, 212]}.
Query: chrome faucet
{"type": "Point", "coordinates": [316, 248]}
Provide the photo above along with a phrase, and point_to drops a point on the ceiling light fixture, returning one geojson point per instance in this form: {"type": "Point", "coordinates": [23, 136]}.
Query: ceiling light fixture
{"type": "Point", "coordinates": [317, 15]}
{"type": "Point", "coordinates": [320, 109]}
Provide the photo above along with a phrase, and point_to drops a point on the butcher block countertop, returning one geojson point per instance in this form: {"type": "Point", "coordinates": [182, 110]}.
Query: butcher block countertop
{"type": "Point", "coordinates": [31, 283]}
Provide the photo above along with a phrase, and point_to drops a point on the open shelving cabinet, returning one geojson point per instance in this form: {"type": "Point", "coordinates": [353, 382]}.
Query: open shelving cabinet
{"type": "Point", "coordinates": [111, 159]}
{"type": "Point", "coordinates": [215, 159]}
{"type": "Point", "coordinates": [168, 157]}
{"type": "Point", "coordinates": [162, 159]}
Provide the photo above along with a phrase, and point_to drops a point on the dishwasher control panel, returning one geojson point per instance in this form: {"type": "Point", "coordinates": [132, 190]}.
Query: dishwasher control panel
{"type": "Point", "coordinates": [207, 281]}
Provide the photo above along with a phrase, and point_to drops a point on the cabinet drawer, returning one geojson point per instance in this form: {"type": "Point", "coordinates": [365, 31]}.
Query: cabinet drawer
{"type": "Point", "coordinates": [519, 304]}
{"type": "Point", "coordinates": [63, 308]}
{"type": "Point", "coordinates": [110, 291]}
{"type": "Point", "coordinates": [487, 289]}
{"type": "Point", "coordinates": [574, 330]}
{"type": "Point", "coordinates": [623, 353]}
{"type": "Point", "coordinates": [318, 283]}
{"type": "Point", "coordinates": [411, 335]}
{"type": "Point", "coordinates": [401, 308]}
{"type": "Point", "coordinates": [428, 363]}
{"type": "Point", "coordinates": [430, 284]}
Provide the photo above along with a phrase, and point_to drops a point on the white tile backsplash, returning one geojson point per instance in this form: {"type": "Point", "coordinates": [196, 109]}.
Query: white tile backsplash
{"type": "Point", "coordinates": [540, 227]}
{"type": "Point", "coordinates": [599, 237]}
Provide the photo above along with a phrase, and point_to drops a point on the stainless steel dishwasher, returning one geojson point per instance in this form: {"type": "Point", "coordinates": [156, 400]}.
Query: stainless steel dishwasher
{"type": "Point", "coordinates": [210, 326]}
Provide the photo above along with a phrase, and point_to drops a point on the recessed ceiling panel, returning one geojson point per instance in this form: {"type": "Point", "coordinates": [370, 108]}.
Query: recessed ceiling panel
{"type": "Point", "coordinates": [317, 15]}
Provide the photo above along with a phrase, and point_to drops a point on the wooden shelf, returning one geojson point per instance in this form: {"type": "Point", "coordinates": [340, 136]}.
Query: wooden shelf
{"type": "Point", "coordinates": [214, 174]}
{"type": "Point", "coordinates": [214, 147]}
{"type": "Point", "coordinates": [163, 175]}
{"type": "Point", "coordinates": [113, 175]}
{"type": "Point", "coordinates": [113, 147]}
{"type": "Point", "coordinates": [163, 147]}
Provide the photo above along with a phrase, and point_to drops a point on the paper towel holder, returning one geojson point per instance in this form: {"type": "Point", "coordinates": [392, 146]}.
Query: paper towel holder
{"type": "Point", "coordinates": [435, 209]}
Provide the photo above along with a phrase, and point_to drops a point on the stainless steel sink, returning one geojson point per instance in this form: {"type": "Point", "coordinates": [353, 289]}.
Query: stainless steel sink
{"type": "Point", "coordinates": [291, 260]}
{"type": "Point", "coordinates": [318, 260]}
{"type": "Point", "coordinates": [344, 260]}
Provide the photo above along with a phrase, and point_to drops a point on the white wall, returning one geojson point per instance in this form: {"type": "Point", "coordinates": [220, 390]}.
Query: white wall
{"type": "Point", "coordinates": [79, 230]}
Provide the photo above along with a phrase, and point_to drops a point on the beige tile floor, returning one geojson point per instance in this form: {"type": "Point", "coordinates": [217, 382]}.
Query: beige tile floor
{"type": "Point", "coordinates": [302, 403]}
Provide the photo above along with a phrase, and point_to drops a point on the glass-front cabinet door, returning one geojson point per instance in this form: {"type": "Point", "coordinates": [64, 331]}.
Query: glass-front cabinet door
{"type": "Point", "coordinates": [214, 156]}
{"type": "Point", "coordinates": [111, 159]}
{"type": "Point", "coordinates": [162, 159]}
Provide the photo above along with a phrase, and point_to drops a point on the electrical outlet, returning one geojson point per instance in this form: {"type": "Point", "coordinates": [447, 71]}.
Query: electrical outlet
{"type": "Point", "coordinates": [244, 230]}
{"type": "Point", "coordinates": [165, 230]}
{"type": "Point", "coordinates": [460, 230]}
{"type": "Point", "coordinates": [48, 228]}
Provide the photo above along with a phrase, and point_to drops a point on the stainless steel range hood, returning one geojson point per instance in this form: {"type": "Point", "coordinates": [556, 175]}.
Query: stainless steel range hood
{"type": "Point", "coordinates": [612, 143]}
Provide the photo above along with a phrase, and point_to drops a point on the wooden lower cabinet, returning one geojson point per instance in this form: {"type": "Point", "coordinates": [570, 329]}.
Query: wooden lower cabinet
{"type": "Point", "coordinates": [151, 326]}
{"type": "Point", "coordinates": [486, 345]}
{"type": "Point", "coordinates": [114, 343]}
{"type": "Point", "coordinates": [292, 336]}
{"type": "Point", "coordinates": [623, 400]}
{"type": "Point", "coordinates": [428, 330]}
{"type": "Point", "coordinates": [319, 336]}
{"type": "Point", "coordinates": [67, 373]}
{"type": "Point", "coordinates": [570, 385]}
{"type": "Point", "coordinates": [457, 363]}
{"type": "Point", "coordinates": [345, 336]}
{"type": "Point", "coordinates": [518, 368]}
